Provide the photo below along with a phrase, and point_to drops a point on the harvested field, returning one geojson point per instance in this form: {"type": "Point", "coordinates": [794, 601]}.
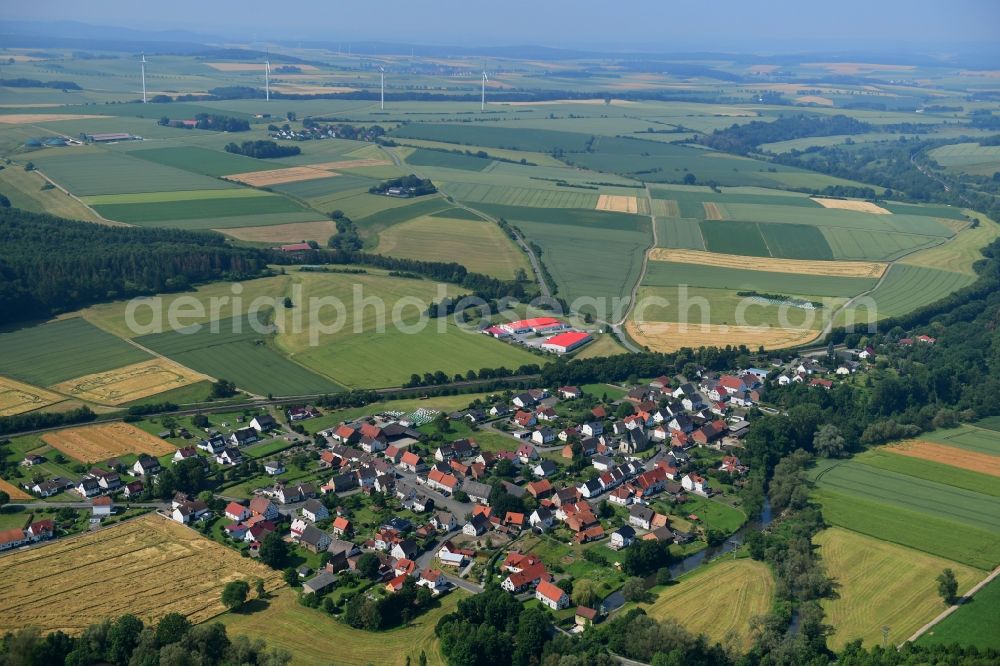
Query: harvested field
{"type": "Point", "coordinates": [29, 118]}
{"type": "Point", "coordinates": [666, 208]}
{"type": "Point", "coordinates": [16, 397]}
{"type": "Point", "coordinates": [851, 204]}
{"type": "Point", "coordinates": [948, 455]}
{"type": "Point", "coordinates": [13, 491]}
{"type": "Point", "coordinates": [252, 67]}
{"type": "Point", "coordinates": [863, 269]}
{"type": "Point", "coordinates": [107, 440]}
{"type": "Point", "coordinates": [351, 164]}
{"type": "Point", "coordinates": [713, 211]}
{"type": "Point", "coordinates": [617, 203]}
{"type": "Point", "coordinates": [881, 584]}
{"type": "Point", "coordinates": [718, 600]}
{"type": "Point", "coordinates": [279, 176]}
{"type": "Point", "coordinates": [149, 566]}
{"type": "Point", "coordinates": [132, 382]}
{"type": "Point", "coordinates": [671, 336]}
{"type": "Point", "coordinates": [294, 232]}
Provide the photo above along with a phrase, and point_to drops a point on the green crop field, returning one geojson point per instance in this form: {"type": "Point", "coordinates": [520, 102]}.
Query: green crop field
{"type": "Point", "coordinates": [837, 218]}
{"type": "Point", "coordinates": [317, 192]}
{"type": "Point", "coordinates": [203, 161]}
{"type": "Point", "coordinates": [54, 352]}
{"type": "Point", "coordinates": [241, 355]}
{"type": "Point", "coordinates": [165, 211]}
{"type": "Point", "coordinates": [448, 160]}
{"type": "Point", "coordinates": [911, 511]}
{"type": "Point", "coordinates": [881, 584]}
{"type": "Point", "coordinates": [681, 233]}
{"type": "Point", "coordinates": [118, 173]}
{"type": "Point", "coordinates": [564, 197]}
{"type": "Point", "coordinates": [974, 623]}
{"type": "Point", "coordinates": [537, 140]}
{"type": "Point", "coordinates": [924, 209]}
{"type": "Point", "coordinates": [939, 472]}
{"type": "Point", "coordinates": [479, 245]}
{"type": "Point", "coordinates": [659, 162]}
{"type": "Point", "coordinates": [970, 158]}
{"type": "Point", "coordinates": [360, 355]}
{"type": "Point", "coordinates": [577, 245]}
{"type": "Point", "coordinates": [730, 237]}
{"type": "Point", "coordinates": [668, 273]}
{"type": "Point", "coordinates": [983, 439]}
{"type": "Point", "coordinates": [914, 529]}
{"type": "Point", "coordinates": [795, 241]}
{"type": "Point", "coordinates": [170, 197]}
{"type": "Point", "coordinates": [371, 225]}
{"type": "Point", "coordinates": [721, 306]}
{"type": "Point", "coordinates": [989, 423]}
{"type": "Point", "coordinates": [934, 498]}
{"type": "Point", "coordinates": [864, 245]}
{"type": "Point", "coordinates": [906, 288]}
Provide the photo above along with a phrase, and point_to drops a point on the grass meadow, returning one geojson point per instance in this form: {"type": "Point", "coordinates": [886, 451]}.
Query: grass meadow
{"type": "Point", "coordinates": [314, 637]}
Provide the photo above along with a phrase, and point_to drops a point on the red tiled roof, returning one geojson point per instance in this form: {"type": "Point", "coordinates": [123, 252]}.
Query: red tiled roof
{"type": "Point", "coordinates": [567, 339]}
{"type": "Point", "coordinates": [550, 591]}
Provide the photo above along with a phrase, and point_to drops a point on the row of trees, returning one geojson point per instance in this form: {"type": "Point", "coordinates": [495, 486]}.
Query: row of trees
{"type": "Point", "coordinates": [127, 640]}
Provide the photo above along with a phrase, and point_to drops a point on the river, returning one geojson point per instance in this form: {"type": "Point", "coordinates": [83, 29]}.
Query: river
{"type": "Point", "coordinates": [615, 600]}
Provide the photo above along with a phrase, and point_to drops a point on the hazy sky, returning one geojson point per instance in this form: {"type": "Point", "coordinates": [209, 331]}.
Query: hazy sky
{"type": "Point", "coordinates": [711, 25]}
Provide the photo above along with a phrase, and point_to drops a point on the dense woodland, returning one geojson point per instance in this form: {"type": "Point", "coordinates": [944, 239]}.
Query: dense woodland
{"type": "Point", "coordinates": [51, 265]}
{"type": "Point", "coordinates": [743, 139]}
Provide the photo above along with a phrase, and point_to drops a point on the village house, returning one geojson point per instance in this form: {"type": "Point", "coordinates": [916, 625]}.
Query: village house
{"type": "Point", "coordinates": [314, 510]}
{"type": "Point", "coordinates": [477, 525]}
{"type": "Point", "coordinates": [697, 484]}
{"type": "Point", "coordinates": [237, 512]}
{"type": "Point", "coordinates": [314, 539]}
{"type": "Point", "coordinates": [622, 538]}
{"type": "Point", "coordinates": [229, 456]}
{"type": "Point", "coordinates": [439, 480]}
{"type": "Point", "coordinates": [640, 516]}
{"type": "Point", "coordinates": [551, 595]}
{"type": "Point", "coordinates": [184, 453]}
{"type": "Point", "coordinates": [261, 506]}
{"type": "Point", "coordinates": [434, 580]}
{"type": "Point", "coordinates": [146, 465]}
{"type": "Point", "coordinates": [243, 437]}
{"type": "Point", "coordinates": [102, 507]}
{"type": "Point", "coordinates": [263, 423]}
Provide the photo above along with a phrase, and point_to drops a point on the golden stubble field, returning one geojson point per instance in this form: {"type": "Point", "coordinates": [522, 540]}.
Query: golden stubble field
{"type": "Point", "coordinates": [952, 456]}
{"type": "Point", "coordinates": [617, 203]}
{"type": "Point", "coordinates": [17, 397]}
{"type": "Point", "coordinates": [131, 382]}
{"type": "Point", "coordinates": [849, 204]}
{"type": "Point", "coordinates": [671, 336]}
{"type": "Point", "coordinates": [107, 440]}
{"type": "Point", "coordinates": [149, 567]}
{"type": "Point", "coordinates": [862, 269]}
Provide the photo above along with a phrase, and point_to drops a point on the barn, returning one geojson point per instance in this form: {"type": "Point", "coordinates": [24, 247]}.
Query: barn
{"type": "Point", "coordinates": [566, 342]}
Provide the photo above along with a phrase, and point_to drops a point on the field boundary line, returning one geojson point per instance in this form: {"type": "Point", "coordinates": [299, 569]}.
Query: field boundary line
{"type": "Point", "coordinates": [954, 607]}
{"type": "Point", "coordinates": [107, 222]}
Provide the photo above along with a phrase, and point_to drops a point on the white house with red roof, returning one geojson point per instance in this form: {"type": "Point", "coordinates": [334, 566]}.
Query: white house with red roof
{"type": "Point", "coordinates": [696, 483]}
{"type": "Point", "coordinates": [551, 595]}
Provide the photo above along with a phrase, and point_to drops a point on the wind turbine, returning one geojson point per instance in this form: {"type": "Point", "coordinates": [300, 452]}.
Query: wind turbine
{"type": "Point", "coordinates": [267, 78]}
{"type": "Point", "coordinates": [143, 66]}
{"type": "Point", "coordinates": [482, 106]}
{"type": "Point", "coordinates": [382, 96]}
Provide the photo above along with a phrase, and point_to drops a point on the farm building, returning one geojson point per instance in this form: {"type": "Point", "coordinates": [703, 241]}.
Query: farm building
{"type": "Point", "coordinates": [109, 136]}
{"type": "Point", "coordinates": [535, 325]}
{"type": "Point", "coordinates": [566, 342]}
